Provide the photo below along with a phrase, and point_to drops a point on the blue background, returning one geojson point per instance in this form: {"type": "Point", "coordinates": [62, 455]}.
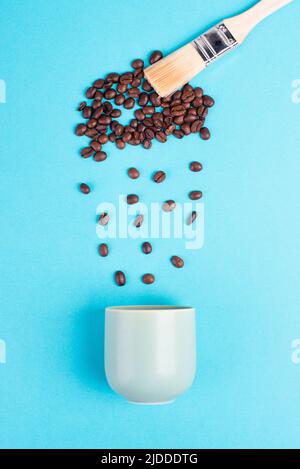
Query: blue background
{"type": "Point", "coordinates": [54, 287]}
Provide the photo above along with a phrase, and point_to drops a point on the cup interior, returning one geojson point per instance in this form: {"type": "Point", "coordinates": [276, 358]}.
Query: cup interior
{"type": "Point", "coordinates": [148, 308]}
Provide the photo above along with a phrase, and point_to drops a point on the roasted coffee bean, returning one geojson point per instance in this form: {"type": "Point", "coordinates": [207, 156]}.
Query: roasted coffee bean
{"type": "Point", "coordinates": [126, 78]}
{"type": "Point", "coordinates": [166, 112]}
{"type": "Point", "coordinates": [103, 219]}
{"type": "Point", "coordinates": [138, 73]}
{"type": "Point", "coordinates": [137, 63]}
{"type": "Point", "coordinates": [146, 247]}
{"type": "Point", "coordinates": [96, 105]}
{"type": "Point", "coordinates": [146, 86]}
{"type": "Point", "coordinates": [120, 143]}
{"type": "Point", "coordinates": [169, 205]}
{"type": "Point", "coordinates": [85, 188]}
{"type": "Point", "coordinates": [186, 129]}
{"type": "Point", "coordinates": [161, 137]}
{"type": "Point", "coordinates": [177, 110]}
{"type": "Point", "coordinates": [95, 145]}
{"type": "Point", "coordinates": [138, 221]}
{"type": "Point", "coordinates": [98, 96]}
{"type": "Point", "coordinates": [119, 99]}
{"type": "Point", "coordinates": [196, 126]}
{"type": "Point", "coordinates": [119, 129]}
{"type": "Point", "coordinates": [195, 195]}
{"type": "Point", "coordinates": [178, 120]}
{"type": "Point", "coordinates": [204, 112]}
{"type": "Point", "coordinates": [198, 92]}
{"type": "Point", "coordinates": [148, 123]}
{"type": "Point", "coordinates": [90, 92]}
{"type": "Point", "coordinates": [107, 107]}
{"type": "Point", "coordinates": [148, 110]}
{"type": "Point", "coordinates": [129, 103]}
{"type": "Point", "coordinates": [92, 133]}
{"type": "Point", "coordinates": [155, 99]}
{"type": "Point", "coordinates": [177, 262]}
{"type": "Point", "coordinates": [100, 156]}
{"type": "Point", "coordinates": [116, 113]}
{"type": "Point", "coordinates": [104, 120]}
{"type": "Point", "coordinates": [190, 118]}
{"type": "Point", "coordinates": [87, 112]}
{"type": "Point", "coordinates": [192, 218]}
{"type": "Point", "coordinates": [103, 250]}
{"type": "Point", "coordinates": [148, 279]}
{"type": "Point", "coordinates": [141, 127]}
{"type": "Point", "coordinates": [112, 137]}
{"type": "Point", "coordinates": [103, 139]}
{"type": "Point", "coordinates": [158, 123]}
{"type": "Point", "coordinates": [143, 99]}
{"type": "Point", "coordinates": [86, 152]}
{"type": "Point", "coordinates": [120, 278]}
{"type": "Point", "coordinates": [80, 130]}
{"type": "Point", "coordinates": [147, 144]}
{"type": "Point", "coordinates": [132, 199]}
{"type": "Point", "coordinates": [159, 177]}
{"type": "Point", "coordinates": [149, 134]}
{"type": "Point", "coordinates": [81, 106]}
{"type": "Point", "coordinates": [126, 136]}
{"type": "Point", "coordinates": [122, 88]}
{"type": "Point", "coordinates": [170, 129]}
{"type": "Point", "coordinates": [102, 129]}
{"type": "Point", "coordinates": [155, 56]}
{"type": "Point", "coordinates": [195, 166]}
{"type": "Point", "coordinates": [139, 114]}
{"type": "Point", "coordinates": [178, 134]}
{"type": "Point", "coordinates": [208, 101]}
{"type": "Point", "coordinates": [133, 92]}
{"type": "Point", "coordinates": [197, 102]}
{"type": "Point", "coordinates": [98, 113]}
{"type": "Point", "coordinates": [133, 173]}
{"type": "Point", "coordinates": [112, 77]}
{"type": "Point", "coordinates": [92, 123]}
{"type": "Point", "coordinates": [98, 83]}
{"type": "Point", "coordinates": [187, 88]}
{"type": "Point", "coordinates": [134, 123]}
{"type": "Point", "coordinates": [205, 133]}
{"type": "Point", "coordinates": [110, 94]}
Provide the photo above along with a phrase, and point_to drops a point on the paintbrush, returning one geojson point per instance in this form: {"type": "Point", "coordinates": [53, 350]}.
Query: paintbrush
{"type": "Point", "coordinates": [172, 72]}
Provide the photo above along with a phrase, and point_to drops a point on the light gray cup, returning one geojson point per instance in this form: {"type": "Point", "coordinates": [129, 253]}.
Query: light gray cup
{"type": "Point", "coordinates": [150, 352]}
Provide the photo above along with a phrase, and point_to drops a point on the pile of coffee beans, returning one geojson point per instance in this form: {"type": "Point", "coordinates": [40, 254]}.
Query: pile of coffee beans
{"type": "Point", "coordinates": [181, 114]}
{"type": "Point", "coordinates": [154, 118]}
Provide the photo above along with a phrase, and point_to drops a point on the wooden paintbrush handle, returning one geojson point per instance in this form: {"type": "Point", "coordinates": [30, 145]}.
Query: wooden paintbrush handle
{"type": "Point", "coordinates": [241, 25]}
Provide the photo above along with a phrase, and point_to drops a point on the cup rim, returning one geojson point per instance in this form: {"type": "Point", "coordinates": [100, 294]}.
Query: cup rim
{"type": "Point", "coordinates": [147, 308]}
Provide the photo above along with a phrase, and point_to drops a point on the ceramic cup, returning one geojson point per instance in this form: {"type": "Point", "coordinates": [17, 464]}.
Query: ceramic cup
{"type": "Point", "coordinates": [150, 352]}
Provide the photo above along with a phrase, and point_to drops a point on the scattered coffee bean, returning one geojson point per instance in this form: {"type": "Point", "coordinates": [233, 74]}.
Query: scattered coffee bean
{"type": "Point", "coordinates": [195, 166]}
{"type": "Point", "coordinates": [161, 137]}
{"type": "Point", "coordinates": [208, 101]}
{"type": "Point", "coordinates": [129, 103]}
{"type": "Point", "coordinates": [103, 250]}
{"type": "Point", "coordinates": [146, 247]}
{"type": "Point", "coordinates": [138, 221]}
{"type": "Point", "coordinates": [86, 152]}
{"type": "Point", "coordinates": [120, 278]}
{"type": "Point", "coordinates": [85, 188]}
{"type": "Point", "coordinates": [90, 93]}
{"type": "Point", "coordinates": [177, 262]}
{"type": "Point", "coordinates": [95, 145]}
{"type": "Point", "coordinates": [148, 279]}
{"type": "Point", "coordinates": [192, 218]}
{"type": "Point", "coordinates": [137, 63]}
{"type": "Point", "coordinates": [80, 129]}
{"type": "Point", "coordinates": [195, 195]}
{"type": "Point", "coordinates": [82, 105]}
{"type": "Point", "coordinates": [103, 138]}
{"type": "Point", "coordinates": [169, 205]}
{"type": "Point", "coordinates": [103, 219]}
{"type": "Point", "coordinates": [100, 156]}
{"type": "Point", "coordinates": [132, 199]}
{"type": "Point", "coordinates": [147, 144]}
{"type": "Point", "coordinates": [133, 173]}
{"type": "Point", "coordinates": [155, 56]}
{"type": "Point", "coordinates": [205, 133]}
{"type": "Point", "coordinates": [159, 177]}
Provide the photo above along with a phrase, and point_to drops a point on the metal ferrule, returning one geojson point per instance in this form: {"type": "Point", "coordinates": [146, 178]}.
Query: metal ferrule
{"type": "Point", "coordinates": [214, 43]}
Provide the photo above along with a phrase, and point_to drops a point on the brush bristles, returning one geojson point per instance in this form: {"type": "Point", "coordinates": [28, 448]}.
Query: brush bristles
{"type": "Point", "coordinates": [175, 70]}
